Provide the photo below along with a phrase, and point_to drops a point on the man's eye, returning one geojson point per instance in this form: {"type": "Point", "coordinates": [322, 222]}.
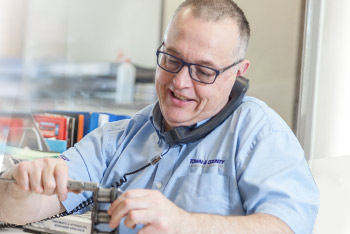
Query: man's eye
{"type": "Point", "coordinates": [173, 61]}
{"type": "Point", "coordinates": [172, 64]}
{"type": "Point", "coordinates": [205, 72]}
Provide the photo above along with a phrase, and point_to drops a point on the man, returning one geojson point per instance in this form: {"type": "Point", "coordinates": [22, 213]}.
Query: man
{"type": "Point", "coordinates": [248, 175]}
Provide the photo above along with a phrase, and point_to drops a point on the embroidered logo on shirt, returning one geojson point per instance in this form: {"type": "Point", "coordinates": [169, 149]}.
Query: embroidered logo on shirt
{"type": "Point", "coordinates": [206, 163]}
{"type": "Point", "coordinates": [64, 158]}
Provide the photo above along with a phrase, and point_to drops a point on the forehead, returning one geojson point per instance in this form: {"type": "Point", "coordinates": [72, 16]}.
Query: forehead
{"type": "Point", "coordinates": [196, 38]}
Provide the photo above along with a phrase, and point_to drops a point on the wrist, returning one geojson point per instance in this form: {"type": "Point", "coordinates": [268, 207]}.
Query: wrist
{"type": "Point", "coordinates": [197, 223]}
{"type": "Point", "coordinates": [201, 223]}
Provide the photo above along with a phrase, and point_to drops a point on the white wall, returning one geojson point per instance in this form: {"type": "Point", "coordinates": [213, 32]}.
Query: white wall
{"type": "Point", "coordinates": [12, 17]}
{"type": "Point", "coordinates": [324, 126]}
{"type": "Point", "coordinates": [90, 30]}
{"type": "Point", "coordinates": [273, 50]}
{"type": "Point", "coordinates": [324, 115]}
{"type": "Point", "coordinates": [332, 104]}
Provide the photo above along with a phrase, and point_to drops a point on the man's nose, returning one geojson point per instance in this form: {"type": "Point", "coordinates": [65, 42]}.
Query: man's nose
{"type": "Point", "coordinates": [183, 79]}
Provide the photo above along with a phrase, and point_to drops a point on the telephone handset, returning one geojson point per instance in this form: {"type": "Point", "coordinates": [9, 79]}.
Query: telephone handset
{"type": "Point", "coordinates": [182, 135]}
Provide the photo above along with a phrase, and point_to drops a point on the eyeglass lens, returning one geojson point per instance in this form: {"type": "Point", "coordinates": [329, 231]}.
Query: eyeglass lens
{"type": "Point", "coordinates": [197, 72]}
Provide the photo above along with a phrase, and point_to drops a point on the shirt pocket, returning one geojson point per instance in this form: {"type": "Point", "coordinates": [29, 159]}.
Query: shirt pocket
{"type": "Point", "coordinates": [204, 193]}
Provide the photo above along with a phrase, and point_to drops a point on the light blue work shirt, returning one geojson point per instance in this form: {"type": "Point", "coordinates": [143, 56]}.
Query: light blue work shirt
{"type": "Point", "coordinates": [251, 163]}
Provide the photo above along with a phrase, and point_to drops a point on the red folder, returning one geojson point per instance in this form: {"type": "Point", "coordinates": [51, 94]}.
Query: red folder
{"type": "Point", "coordinates": [52, 126]}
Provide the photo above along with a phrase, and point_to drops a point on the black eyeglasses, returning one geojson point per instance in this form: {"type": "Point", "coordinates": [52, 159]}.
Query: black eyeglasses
{"type": "Point", "coordinates": [199, 73]}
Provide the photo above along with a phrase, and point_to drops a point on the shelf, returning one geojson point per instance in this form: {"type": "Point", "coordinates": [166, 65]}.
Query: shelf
{"type": "Point", "coordinates": [90, 105]}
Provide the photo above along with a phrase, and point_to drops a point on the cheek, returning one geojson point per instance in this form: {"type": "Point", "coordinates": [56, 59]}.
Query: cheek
{"type": "Point", "coordinates": [206, 96]}
{"type": "Point", "coordinates": [213, 98]}
{"type": "Point", "coordinates": [162, 77]}
{"type": "Point", "coordinates": [162, 80]}
{"type": "Point", "coordinates": [159, 79]}
{"type": "Point", "coordinates": [206, 93]}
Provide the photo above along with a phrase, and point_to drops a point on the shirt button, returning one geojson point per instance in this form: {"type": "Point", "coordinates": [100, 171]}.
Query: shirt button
{"type": "Point", "coordinates": [159, 185]}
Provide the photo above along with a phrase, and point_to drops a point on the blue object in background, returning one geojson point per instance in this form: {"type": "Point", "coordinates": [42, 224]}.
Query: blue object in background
{"type": "Point", "coordinates": [58, 146]}
{"type": "Point", "coordinates": [95, 120]}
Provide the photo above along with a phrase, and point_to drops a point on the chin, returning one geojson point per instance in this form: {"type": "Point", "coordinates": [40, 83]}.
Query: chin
{"type": "Point", "coordinates": [177, 119]}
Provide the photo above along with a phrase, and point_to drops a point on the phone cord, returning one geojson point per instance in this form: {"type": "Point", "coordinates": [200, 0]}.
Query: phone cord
{"type": "Point", "coordinates": [123, 180]}
{"type": "Point", "coordinates": [153, 162]}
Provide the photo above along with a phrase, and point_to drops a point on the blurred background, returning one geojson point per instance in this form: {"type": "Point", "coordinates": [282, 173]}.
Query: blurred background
{"type": "Point", "coordinates": [64, 54]}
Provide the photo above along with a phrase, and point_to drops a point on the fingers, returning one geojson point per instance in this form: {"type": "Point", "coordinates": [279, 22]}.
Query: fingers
{"type": "Point", "coordinates": [135, 217]}
{"type": "Point", "coordinates": [21, 175]}
{"type": "Point", "coordinates": [61, 175]}
{"type": "Point", "coordinates": [35, 182]}
{"type": "Point", "coordinates": [127, 202]}
{"type": "Point", "coordinates": [147, 207]}
{"type": "Point", "coordinates": [48, 182]}
{"type": "Point", "coordinates": [129, 194]}
{"type": "Point", "coordinates": [141, 207]}
{"type": "Point", "coordinates": [44, 176]}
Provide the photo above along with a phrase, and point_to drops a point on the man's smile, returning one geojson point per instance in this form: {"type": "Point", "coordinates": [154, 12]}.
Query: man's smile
{"type": "Point", "coordinates": [182, 98]}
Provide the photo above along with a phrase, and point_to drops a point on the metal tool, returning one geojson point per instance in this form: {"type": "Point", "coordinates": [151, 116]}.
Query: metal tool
{"type": "Point", "coordinates": [72, 184]}
{"type": "Point", "coordinates": [82, 185]}
{"type": "Point", "coordinates": [7, 180]}
{"type": "Point", "coordinates": [100, 195]}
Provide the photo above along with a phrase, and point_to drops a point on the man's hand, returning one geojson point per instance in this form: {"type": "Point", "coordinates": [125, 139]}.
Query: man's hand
{"type": "Point", "coordinates": [150, 208]}
{"type": "Point", "coordinates": [159, 215]}
{"type": "Point", "coordinates": [30, 198]}
{"type": "Point", "coordinates": [43, 176]}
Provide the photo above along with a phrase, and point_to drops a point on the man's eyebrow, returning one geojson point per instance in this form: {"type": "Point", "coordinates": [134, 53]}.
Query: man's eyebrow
{"type": "Point", "coordinates": [207, 63]}
{"type": "Point", "coordinates": [174, 52]}
{"type": "Point", "coordinates": [171, 51]}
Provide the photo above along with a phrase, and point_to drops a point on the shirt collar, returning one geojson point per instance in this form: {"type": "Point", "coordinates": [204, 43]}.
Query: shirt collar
{"type": "Point", "coordinates": [156, 118]}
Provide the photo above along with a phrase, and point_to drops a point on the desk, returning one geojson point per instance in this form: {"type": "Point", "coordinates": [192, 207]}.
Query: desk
{"type": "Point", "coordinates": [12, 230]}
{"type": "Point", "coordinates": [73, 224]}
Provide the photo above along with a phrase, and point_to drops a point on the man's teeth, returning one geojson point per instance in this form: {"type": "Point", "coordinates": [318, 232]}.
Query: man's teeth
{"type": "Point", "coordinates": [180, 97]}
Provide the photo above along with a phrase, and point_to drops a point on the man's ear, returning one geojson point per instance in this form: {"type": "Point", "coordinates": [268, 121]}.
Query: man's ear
{"type": "Point", "coordinates": [243, 67]}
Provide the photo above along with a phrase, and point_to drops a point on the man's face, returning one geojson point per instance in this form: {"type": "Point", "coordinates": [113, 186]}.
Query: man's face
{"type": "Point", "coordinates": [183, 101]}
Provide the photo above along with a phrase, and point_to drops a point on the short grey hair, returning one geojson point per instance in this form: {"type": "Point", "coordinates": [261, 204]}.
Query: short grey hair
{"type": "Point", "coordinates": [216, 10]}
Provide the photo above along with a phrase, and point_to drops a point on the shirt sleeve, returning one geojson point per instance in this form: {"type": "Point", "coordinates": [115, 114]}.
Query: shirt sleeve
{"type": "Point", "coordinates": [274, 178]}
{"type": "Point", "coordinates": [89, 158]}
